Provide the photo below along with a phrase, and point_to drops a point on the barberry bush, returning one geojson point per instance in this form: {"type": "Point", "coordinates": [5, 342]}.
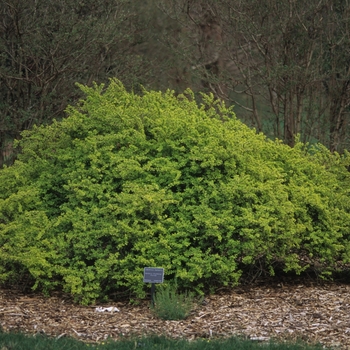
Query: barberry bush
{"type": "Point", "coordinates": [128, 181]}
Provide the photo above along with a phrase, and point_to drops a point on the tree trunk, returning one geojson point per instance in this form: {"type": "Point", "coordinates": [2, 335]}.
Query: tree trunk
{"type": "Point", "coordinates": [289, 122]}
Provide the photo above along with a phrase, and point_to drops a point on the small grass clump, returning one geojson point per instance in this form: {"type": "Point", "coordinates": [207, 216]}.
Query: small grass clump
{"type": "Point", "coordinates": [169, 304]}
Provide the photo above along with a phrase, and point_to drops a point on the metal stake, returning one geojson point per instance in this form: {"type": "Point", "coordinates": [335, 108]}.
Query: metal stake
{"type": "Point", "coordinates": [153, 289]}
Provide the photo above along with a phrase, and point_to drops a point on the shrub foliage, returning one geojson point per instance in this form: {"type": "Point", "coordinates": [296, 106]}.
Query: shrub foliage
{"type": "Point", "coordinates": [128, 181]}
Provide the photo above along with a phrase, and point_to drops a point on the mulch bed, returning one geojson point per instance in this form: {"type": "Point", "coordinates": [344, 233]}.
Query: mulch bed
{"type": "Point", "coordinates": [313, 313]}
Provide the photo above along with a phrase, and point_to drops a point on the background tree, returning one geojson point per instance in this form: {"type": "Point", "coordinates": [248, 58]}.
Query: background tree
{"type": "Point", "coordinates": [283, 64]}
{"type": "Point", "coordinates": [336, 70]}
{"type": "Point", "coordinates": [48, 46]}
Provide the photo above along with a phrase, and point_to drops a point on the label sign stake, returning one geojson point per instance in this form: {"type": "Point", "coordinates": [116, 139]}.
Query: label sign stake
{"type": "Point", "coordinates": [153, 275]}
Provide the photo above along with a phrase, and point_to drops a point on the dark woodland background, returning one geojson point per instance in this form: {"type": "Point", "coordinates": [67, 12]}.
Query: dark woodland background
{"type": "Point", "coordinates": [284, 65]}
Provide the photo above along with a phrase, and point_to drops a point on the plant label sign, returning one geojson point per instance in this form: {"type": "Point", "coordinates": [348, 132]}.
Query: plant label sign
{"type": "Point", "coordinates": [153, 275]}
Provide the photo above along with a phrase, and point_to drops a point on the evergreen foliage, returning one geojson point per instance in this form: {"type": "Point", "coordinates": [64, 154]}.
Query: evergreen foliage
{"type": "Point", "coordinates": [128, 181]}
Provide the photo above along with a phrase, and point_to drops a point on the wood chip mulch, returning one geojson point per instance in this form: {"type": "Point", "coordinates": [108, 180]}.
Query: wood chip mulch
{"type": "Point", "coordinates": [310, 313]}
